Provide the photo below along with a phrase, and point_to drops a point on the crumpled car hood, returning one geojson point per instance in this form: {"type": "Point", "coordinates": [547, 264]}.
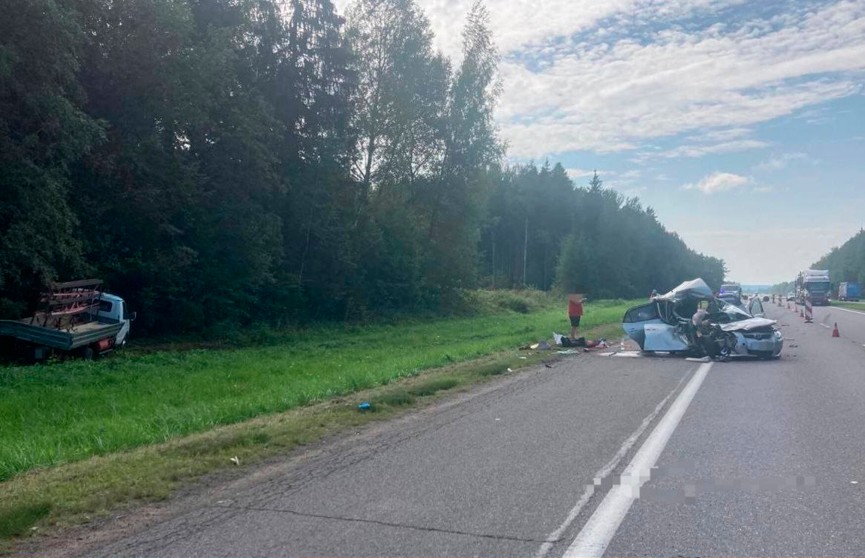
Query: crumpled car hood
{"type": "Point", "coordinates": [696, 288]}
{"type": "Point", "coordinates": [749, 324]}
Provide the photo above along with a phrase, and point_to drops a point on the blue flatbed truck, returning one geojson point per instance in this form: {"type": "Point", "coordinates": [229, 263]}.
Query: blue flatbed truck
{"type": "Point", "coordinates": [74, 318]}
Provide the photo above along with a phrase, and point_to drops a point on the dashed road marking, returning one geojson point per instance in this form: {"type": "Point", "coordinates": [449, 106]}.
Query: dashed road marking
{"type": "Point", "coordinates": [599, 530]}
{"type": "Point", "coordinates": [605, 471]}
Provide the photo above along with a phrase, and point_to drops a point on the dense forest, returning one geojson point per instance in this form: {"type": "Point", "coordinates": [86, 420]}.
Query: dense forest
{"type": "Point", "coordinates": [263, 160]}
{"type": "Point", "coordinates": [846, 263]}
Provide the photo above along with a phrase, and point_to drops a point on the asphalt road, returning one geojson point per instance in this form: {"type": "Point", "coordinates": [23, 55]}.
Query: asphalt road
{"type": "Point", "coordinates": [740, 458]}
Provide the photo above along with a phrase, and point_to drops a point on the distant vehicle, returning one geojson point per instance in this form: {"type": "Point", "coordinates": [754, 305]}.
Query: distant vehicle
{"type": "Point", "coordinates": [734, 289]}
{"type": "Point", "coordinates": [664, 325]}
{"type": "Point", "coordinates": [73, 318]}
{"type": "Point", "coordinates": [812, 285]}
{"type": "Point", "coordinates": [849, 291]}
{"type": "Point", "coordinates": [791, 296]}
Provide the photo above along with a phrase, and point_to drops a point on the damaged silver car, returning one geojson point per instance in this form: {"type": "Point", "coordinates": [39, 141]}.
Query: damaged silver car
{"type": "Point", "coordinates": [666, 324]}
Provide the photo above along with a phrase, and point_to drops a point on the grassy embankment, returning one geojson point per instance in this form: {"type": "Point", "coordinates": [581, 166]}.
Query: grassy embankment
{"type": "Point", "coordinates": [82, 438]}
{"type": "Point", "coordinates": [860, 306]}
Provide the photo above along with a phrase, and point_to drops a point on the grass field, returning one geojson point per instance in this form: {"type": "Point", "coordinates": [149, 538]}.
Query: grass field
{"type": "Point", "coordinates": [65, 412]}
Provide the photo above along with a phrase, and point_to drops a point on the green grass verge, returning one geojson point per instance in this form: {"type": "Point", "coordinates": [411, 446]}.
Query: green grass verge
{"type": "Point", "coordinates": [860, 306]}
{"type": "Point", "coordinates": [181, 410]}
{"type": "Point", "coordinates": [44, 501]}
{"type": "Point", "coordinates": [73, 410]}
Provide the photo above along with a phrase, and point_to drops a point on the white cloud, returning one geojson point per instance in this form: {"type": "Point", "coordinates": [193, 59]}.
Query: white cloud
{"type": "Point", "coordinates": [700, 150]}
{"type": "Point", "coordinates": [718, 182]}
{"type": "Point", "coordinates": [613, 96]}
{"type": "Point", "coordinates": [576, 173]}
{"type": "Point", "coordinates": [607, 76]}
{"type": "Point", "coordinates": [721, 135]}
{"type": "Point", "coordinates": [780, 162]}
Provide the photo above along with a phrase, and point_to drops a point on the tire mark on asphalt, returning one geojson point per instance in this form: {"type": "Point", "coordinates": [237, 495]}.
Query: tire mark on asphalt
{"type": "Point", "coordinates": [382, 523]}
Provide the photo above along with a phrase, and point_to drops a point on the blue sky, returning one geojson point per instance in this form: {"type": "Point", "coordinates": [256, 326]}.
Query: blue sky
{"type": "Point", "coordinates": [742, 123]}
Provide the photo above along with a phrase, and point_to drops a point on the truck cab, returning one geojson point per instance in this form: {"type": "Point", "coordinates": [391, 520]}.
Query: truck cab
{"type": "Point", "coordinates": [114, 308]}
{"type": "Point", "coordinates": [814, 287]}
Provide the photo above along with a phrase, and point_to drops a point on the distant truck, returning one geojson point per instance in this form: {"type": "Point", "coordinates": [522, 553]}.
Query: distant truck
{"type": "Point", "coordinates": [849, 291]}
{"type": "Point", "coordinates": [812, 285]}
{"type": "Point", "coordinates": [731, 289]}
{"type": "Point", "coordinates": [74, 318]}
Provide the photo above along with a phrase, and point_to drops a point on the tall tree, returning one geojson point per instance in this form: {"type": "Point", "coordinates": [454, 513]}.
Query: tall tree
{"type": "Point", "coordinates": [43, 130]}
{"type": "Point", "coordinates": [315, 87]}
{"type": "Point", "coordinates": [454, 202]}
{"type": "Point", "coordinates": [402, 93]}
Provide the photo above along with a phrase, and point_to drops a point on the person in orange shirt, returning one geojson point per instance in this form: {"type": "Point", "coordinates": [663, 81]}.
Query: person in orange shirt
{"type": "Point", "coordinates": [575, 312]}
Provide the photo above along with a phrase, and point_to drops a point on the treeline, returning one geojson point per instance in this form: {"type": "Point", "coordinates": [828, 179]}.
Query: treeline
{"type": "Point", "coordinates": [542, 232]}
{"type": "Point", "coordinates": [255, 160]}
{"type": "Point", "coordinates": [847, 262]}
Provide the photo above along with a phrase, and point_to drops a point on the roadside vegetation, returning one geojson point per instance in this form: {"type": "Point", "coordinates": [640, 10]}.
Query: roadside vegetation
{"type": "Point", "coordinates": [859, 306]}
{"type": "Point", "coordinates": [62, 412]}
{"type": "Point", "coordinates": [81, 438]}
{"type": "Point", "coordinates": [212, 184]}
{"type": "Point", "coordinates": [845, 262]}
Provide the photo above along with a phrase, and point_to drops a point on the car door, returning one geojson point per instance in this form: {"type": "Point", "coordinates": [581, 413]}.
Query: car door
{"type": "Point", "coordinates": [755, 308]}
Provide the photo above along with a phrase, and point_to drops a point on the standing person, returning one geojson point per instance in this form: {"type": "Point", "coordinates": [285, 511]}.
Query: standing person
{"type": "Point", "coordinates": [575, 312]}
{"type": "Point", "coordinates": [699, 321]}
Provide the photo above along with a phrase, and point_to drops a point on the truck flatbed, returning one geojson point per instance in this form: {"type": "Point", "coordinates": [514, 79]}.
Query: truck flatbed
{"type": "Point", "coordinates": [67, 339]}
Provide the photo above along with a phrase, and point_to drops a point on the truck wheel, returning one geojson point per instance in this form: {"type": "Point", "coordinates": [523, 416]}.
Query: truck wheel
{"type": "Point", "coordinates": [87, 353]}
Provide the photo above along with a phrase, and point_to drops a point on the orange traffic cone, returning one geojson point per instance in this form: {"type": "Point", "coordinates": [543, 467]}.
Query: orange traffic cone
{"type": "Point", "coordinates": [835, 331]}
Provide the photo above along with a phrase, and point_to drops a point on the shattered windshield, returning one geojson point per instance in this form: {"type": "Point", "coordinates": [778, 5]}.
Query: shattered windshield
{"type": "Point", "coordinates": [734, 314]}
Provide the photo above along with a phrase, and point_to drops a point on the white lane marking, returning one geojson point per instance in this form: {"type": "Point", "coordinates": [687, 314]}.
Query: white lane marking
{"type": "Point", "coordinates": [848, 310]}
{"type": "Point", "coordinates": [604, 471]}
{"type": "Point", "coordinates": [599, 530]}
{"type": "Point", "coordinates": [824, 325]}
